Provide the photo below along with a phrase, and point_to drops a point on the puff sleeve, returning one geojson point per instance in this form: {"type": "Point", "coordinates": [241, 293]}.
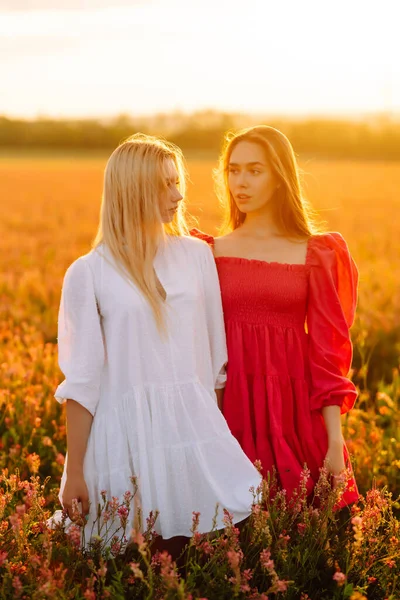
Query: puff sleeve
{"type": "Point", "coordinates": [331, 307]}
{"type": "Point", "coordinates": [80, 340]}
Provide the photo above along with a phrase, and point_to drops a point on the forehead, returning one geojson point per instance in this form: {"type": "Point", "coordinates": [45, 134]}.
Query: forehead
{"type": "Point", "coordinates": [246, 152]}
{"type": "Point", "coordinates": [170, 171]}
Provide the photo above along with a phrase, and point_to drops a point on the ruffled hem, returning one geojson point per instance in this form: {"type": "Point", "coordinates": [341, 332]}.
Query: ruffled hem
{"type": "Point", "coordinates": [176, 443]}
{"type": "Point", "coordinates": [272, 419]}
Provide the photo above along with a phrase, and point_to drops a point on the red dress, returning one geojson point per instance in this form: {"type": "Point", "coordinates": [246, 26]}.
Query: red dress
{"type": "Point", "coordinates": [289, 353]}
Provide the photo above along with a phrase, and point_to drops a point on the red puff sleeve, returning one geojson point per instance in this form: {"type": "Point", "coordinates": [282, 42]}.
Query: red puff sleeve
{"type": "Point", "coordinates": [202, 236]}
{"type": "Point", "coordinates": [330, 314]}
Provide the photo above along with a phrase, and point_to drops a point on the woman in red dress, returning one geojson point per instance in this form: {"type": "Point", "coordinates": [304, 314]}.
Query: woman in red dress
{"type": "Point", "coordinates": [289, 297]}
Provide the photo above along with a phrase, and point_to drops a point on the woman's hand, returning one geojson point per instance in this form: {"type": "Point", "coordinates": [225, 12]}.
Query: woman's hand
{"type": "Point", "coordinates": [75, 491]}
{"type": "Point", "coordinates": [334, 460]}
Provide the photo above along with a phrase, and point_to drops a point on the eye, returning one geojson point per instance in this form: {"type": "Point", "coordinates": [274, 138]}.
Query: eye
{"type": "Point", "coordinates": [255, 171]}
{"type": "Point", "coordinates": [233, 171]}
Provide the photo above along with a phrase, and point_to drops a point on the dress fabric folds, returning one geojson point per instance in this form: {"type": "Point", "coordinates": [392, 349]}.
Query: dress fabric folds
{"type": "Point", "coordinates": [152, 396]}
{"type": "Point", "coordinates": [289, 354]}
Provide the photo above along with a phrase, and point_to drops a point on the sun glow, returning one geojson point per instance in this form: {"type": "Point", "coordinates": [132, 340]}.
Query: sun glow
{"type": "Point", "coordinates": [258, 56]}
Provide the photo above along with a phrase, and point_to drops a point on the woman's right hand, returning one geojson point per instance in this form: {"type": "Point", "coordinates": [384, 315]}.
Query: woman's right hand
{"type": "Point", "coordinates": [75, 490]}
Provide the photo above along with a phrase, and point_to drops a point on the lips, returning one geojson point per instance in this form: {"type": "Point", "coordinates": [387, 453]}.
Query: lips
{"type": "Point", "coordinates": [243, 197]}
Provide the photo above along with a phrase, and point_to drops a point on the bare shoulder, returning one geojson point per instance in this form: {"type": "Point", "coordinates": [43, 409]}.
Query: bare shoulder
{"type": "Point", "coordinates": [226, 244]}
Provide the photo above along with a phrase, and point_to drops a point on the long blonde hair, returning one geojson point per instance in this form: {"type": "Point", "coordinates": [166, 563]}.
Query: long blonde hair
{"type": "Point", "coordinates": [130, 218]}
{"type": "Point", "coordinates": [292, 213]}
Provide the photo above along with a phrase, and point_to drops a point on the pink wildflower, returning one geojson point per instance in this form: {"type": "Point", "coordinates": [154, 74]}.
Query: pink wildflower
{"type": "Point", "coordinates": [301, 528]}
{"type": "Point", "coordinates": [138, 538]}
{"type": "Point", "coordinates": [340, 578]}
{"type": "Point", "coordinates": [168, 571]}
{"type": "Point", "coordinates": [195, 521]}
{"type": "Point", "coordinates": [156, 559]}
{"type": "Point", "coordinates": [76, 513]}
{"type": "Point", "coordinates": [234, 559]}
{"type": "Point", "coordinates": [74, 533]}
{"type": "Point", "coordinates": [3, 557]}
{"type": "Point", "coordinates": [102, 571]}
{"type": "Point", "coordinates": [305, 476]}
{"type": "Point", "coordinates": [151, 521]}
{"type": "Point", "coordinates": [258, 465]}
{"type": "Point", "coordinates": [60, 459]}
{"type": "Point", "coordinates": [123, 513]}
{"type": "Point", "coordinates": [390, 563]}
{"type": "Point", "coordinates": [15, 523]}
{"type": "Point", "coordinates": [207, 548]}
{"type": "Point", "coordinates": [113, 505]}
{"type": "Point", "coordinates": [127, 497]}
{"type": "Point", "coordinates": [281, 585]}
{"type": "Point", "coordinates": [115, 546]}
{"type": "Point", "coordinates": [228, 517]}
{"type": "Point", "coordinates": [265, 560]}
{"type": "Point", "coordinates": [246, 576]}
{"type": "Point", "coordinates": [17, 585]}
{"type": "Point", "coordinates": [20, 509]}
{"type": "Point", "coordinates": [137, 572]}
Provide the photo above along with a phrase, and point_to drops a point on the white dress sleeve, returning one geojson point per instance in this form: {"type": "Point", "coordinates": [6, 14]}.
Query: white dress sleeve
{"type": "Point", "coordinates": [215, 318]}
{"type": "Point", "coordinates": [80, 339]}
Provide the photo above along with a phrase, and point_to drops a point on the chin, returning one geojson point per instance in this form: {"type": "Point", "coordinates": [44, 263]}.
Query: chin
{"type": "Point", "coordinates": [250, 208]}
{"type": "Point", "coordinates": [245, 208]}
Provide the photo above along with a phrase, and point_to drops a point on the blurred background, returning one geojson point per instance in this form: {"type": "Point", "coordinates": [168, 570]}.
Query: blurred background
{"type": "Point", "coordinates": [77, 77]}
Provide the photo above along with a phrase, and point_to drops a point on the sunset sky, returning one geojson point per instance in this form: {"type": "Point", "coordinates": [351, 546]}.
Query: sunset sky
{"type": "Point", "coordinates": [99, 58]}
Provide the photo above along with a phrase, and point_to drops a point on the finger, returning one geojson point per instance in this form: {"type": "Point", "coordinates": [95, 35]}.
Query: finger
{"type": "Point", "coordinates": [67, 507]}
{"type": "Point", "coordinates": [85, 505]}
{"type": "Point", "coordinates": [71, 511]}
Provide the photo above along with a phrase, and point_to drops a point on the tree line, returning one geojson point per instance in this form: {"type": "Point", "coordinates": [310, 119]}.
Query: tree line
{"type": "Point", "coordinates": [377, 138]}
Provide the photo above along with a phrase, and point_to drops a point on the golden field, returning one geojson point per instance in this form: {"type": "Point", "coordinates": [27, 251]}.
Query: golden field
{"type": "Point", "coordinates": [49, 212]}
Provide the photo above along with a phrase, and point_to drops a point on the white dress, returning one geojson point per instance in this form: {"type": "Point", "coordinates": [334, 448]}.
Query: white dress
{"type": "Point", "coordinates": [153, 399]}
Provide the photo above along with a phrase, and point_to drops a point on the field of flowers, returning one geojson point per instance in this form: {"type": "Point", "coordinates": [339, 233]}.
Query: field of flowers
{"type": "Point", "coordinates": [49, 211]}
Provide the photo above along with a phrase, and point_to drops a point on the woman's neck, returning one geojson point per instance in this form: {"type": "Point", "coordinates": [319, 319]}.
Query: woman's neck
{"type": "Point", "coordinates": [260, 224]}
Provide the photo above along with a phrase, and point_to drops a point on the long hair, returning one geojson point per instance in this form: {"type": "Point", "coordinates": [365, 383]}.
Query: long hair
{"type": "Point", "coordinates": [130, 217]}
{"type": "Point", "coordinates": [291, 211]}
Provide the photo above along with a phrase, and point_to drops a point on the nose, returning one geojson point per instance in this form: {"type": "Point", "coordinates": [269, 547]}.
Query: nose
{"type": "Point", "coordinates": [242, 180]}
{"type": "Point", "coordinates": [178, 196]}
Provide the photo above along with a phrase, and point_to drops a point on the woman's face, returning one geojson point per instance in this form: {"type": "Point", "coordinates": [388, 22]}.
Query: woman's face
{"type": "Point", "coordinates": [252, 182]}
{"type": "Point", "coordinates": [171, 197]}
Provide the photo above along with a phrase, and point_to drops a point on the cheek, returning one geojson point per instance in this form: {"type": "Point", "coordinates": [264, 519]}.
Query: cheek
{"type": "Point", "coordinates": [164, 197]}
{"type": "Point", "coordinates": [267, 186]}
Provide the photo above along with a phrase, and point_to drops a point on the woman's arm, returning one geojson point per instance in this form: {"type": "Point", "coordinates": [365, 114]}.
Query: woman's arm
{"type": "Point", "coordinates": [334, 457]}
{"type": "Point", "coordinates": [79, 423]}
{"type": "Point", "coordinates": [81, 357]}
{"type": "Point", "coordinates": [220, 396]}
{"type": "Point", "coordinates": [333, 282]}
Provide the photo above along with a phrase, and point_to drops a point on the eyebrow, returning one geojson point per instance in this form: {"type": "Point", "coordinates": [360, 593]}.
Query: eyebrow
{"type": "Point", "coordinates": [250, 164]}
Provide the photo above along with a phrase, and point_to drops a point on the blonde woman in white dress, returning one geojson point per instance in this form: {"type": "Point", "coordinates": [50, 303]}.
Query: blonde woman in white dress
{"type": "Point", "coordinates": [142, 347]}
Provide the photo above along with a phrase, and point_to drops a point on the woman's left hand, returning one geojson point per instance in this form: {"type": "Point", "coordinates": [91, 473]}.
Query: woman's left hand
{"type": "Point", "coordinates": [334, 460]}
